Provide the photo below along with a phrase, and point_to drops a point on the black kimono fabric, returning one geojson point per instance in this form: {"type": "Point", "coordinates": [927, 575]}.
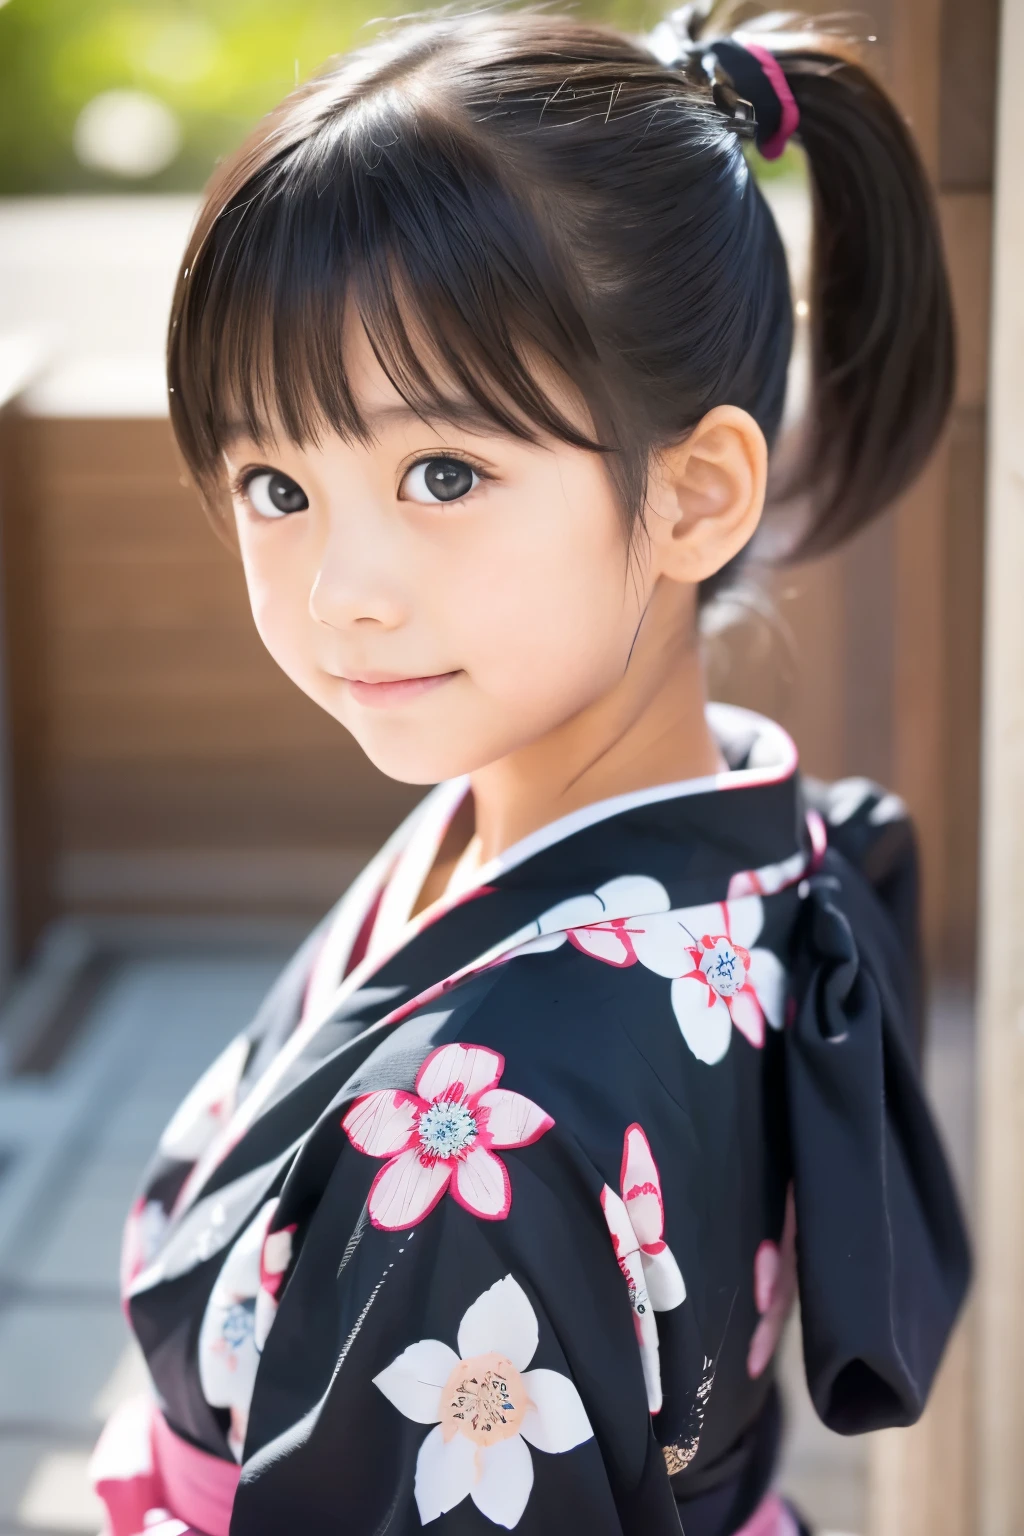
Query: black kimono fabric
{"type": "Point", "coordinates": [502, 1235]}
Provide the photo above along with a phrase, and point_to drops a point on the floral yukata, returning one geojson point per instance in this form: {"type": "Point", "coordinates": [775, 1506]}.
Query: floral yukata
{"type": "Point", "coordinates": [493, 1217]}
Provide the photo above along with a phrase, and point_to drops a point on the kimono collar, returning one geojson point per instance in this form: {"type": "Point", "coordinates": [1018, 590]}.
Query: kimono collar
{"type": "Point", "coordinates": [758, 752]}
{"type": "Point", "coordinates": [741, 832]}
{"type": "Point", "coordinates": [738, 832]}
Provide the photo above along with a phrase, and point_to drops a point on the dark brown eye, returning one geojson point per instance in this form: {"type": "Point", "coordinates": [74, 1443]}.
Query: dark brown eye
{"type": "Point", "coordinates": [272, 494]}
{"type": "Point", "coordinates": [434, 480]}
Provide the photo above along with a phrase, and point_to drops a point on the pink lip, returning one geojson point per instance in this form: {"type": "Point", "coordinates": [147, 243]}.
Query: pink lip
{"type": "Point", "coordinates": [383, 693]}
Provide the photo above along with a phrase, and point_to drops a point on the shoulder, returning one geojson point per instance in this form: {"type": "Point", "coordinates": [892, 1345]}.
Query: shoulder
{"type": "Point", "coordinates": [650, 1020]}
{"type": "Point", "coordinates": [660, 991]}
{"type": "Point", "coordinates": [869, 824]}
{"type": "Point", "coordinates": [566, 1025]}
{"type": "Point", "coordinates": [872, 861]}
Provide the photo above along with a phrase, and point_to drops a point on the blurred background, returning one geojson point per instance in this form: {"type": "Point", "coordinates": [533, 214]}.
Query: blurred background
{"type": "Point", "coordinates": [174, 814]}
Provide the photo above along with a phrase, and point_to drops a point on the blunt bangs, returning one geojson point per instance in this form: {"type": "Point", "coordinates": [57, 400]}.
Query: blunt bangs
{"type": "Point", "coordinates": [542, 226]}
{"type": "Point", "coordinates": [387, 211]}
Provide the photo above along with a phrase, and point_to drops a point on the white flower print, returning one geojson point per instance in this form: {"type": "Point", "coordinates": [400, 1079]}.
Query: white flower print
{"type": "Point", "coordinates": [602, 924]}
{"type": "Point", "coordinates": [443, 1136]}
{"type": "Point", "coordinates": [636, 1221]}
{"type": "Point", "coordinates": [237, 1319]}
{"type": "Point", "coordinates": [144, 1232]}
{"type": "Point", "coordinates": [718, 978]}
{"type": "Point", "coordinates": [487, 1409]}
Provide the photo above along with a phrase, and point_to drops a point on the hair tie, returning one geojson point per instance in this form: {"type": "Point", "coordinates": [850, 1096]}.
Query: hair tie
{"type": "Point", "coordinates": [757, 77]}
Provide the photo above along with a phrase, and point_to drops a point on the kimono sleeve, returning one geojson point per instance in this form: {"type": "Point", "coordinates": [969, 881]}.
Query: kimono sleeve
{"type": "Point", "coordinates": [882, 1253]}
{"type": "Point", "coordinates": [463, 1373]}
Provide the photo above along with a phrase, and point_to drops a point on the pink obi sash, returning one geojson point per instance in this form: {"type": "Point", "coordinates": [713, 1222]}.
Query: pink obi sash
{"type": "Point", "coordinates": [770, 1518]}
{"type": "Point", "coordinates": [153, 1483]}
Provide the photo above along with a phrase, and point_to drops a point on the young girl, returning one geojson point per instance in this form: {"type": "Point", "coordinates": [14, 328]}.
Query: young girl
{"type": "Point", "coordinates": [494, 1215]}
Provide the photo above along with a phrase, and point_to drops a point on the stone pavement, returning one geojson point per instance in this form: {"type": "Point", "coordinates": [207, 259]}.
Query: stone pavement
{"type": "Point", "coordinates": [72, 1146]}
{"type": "Point", "coordinates": [74, 1143]}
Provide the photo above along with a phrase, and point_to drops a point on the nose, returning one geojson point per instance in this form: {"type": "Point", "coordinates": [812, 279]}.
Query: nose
{"type": "Point", "coordinates": [355, 584]}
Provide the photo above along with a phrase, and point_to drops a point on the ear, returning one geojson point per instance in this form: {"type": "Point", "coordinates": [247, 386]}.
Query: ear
{"type": "Point", "coordinates": [706, 495]}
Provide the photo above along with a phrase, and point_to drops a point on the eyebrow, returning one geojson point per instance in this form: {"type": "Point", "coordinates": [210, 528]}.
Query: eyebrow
{"type": "Point", "coordinates": [457, 413]}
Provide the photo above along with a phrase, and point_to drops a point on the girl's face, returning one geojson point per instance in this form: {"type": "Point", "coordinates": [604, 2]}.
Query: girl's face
{"type": "Point", "coordinates": [448, 593]}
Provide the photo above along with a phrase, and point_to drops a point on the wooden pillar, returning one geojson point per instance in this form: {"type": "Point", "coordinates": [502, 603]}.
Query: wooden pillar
{"type": "Point", "coordinates": [998, 1417]}
{"type": "Point", "coordinates": [941, 69]}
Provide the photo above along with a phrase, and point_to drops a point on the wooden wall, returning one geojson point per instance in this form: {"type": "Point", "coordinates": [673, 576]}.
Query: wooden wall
{"type": "Point", "coordinates": [161, 760]}
{"type": "Point", "coordinates": [942, 69]}
{"type": "Point", "coordinates": [889, 631]}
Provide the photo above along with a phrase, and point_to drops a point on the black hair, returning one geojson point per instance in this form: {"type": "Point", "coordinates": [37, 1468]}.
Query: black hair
{"type": "Point", "coordinates": [493, 189]}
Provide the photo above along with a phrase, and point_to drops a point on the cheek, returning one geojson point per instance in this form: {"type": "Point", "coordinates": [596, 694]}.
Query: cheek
{"type": "Point", "coordinates": [278, 587]}
{"type": "Point", "coordinates": [552, 621]}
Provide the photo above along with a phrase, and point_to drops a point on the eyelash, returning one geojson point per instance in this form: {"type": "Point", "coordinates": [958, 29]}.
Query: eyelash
{"type": "Point", "coordinates": [459, 458]}
{"type": "Point", "coordinates": [239, 485]}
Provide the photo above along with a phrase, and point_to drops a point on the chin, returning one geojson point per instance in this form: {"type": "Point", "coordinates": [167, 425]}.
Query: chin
{"type": "Point", "coordinates": [408, 760]}
{"type": "Point", "coordinates": [427, 756]}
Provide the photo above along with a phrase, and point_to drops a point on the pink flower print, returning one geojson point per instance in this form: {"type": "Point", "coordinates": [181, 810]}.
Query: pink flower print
{"type": "Point", "coordinates": [609, 941]}
{"type": "Point", "coordinates": [627, 1251]}
{"type": "Point", "coordinates": [602, 925]}
{"type": "Point", "coordinates": [707, 952]}
{"type": "Point", "coordinates": [722, 968]}
{"type": "Point", "coordinates": [636, 1221]}
{"type": "Point", "coordinates": [641, 1192]}
{"type": "Point", "coordinates": [775, 1289]}
{"type": "Point", "coordinates": [719, 979]}
{"type": "Point", "coordinates": [443, 1136]}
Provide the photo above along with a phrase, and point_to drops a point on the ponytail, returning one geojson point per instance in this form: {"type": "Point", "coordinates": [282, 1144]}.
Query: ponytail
{"type": "Point", "coordinates": [881, 323]}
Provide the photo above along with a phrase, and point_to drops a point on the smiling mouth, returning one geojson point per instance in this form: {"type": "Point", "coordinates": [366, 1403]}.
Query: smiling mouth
{"type": "Point", "coordinates": [381, 693]}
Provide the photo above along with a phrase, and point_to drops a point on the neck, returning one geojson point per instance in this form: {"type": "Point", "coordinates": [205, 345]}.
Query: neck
{"type": "Point", "coordinates": [649, 729]}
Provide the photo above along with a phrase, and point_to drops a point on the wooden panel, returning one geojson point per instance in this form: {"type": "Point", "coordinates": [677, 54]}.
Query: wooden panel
{"type": "Point", "coordinates": [869, 651]}
{"type": "Point", "coordinates": [967, 232]}
{"type": "Point", "coordinates": [962, 622]}
{"type": "Point", "coordinates": [919, 684]}
{"type": "Point", "coordinates": [968, 86]}
{"type": "Point", "coordinates": [791, 655]}
{"type": "Point", "coordinates": [148, 714]}
{"type": "Point", "coordinates": [942, 73]}
{"type": "Point", "coordinates": [914, 69]}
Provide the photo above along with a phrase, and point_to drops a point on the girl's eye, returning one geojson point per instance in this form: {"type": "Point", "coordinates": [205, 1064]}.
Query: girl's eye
{"type": "Point", "coordinates": [272, 494]}
{"type": "Point", "coordinates": [434, 480]}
